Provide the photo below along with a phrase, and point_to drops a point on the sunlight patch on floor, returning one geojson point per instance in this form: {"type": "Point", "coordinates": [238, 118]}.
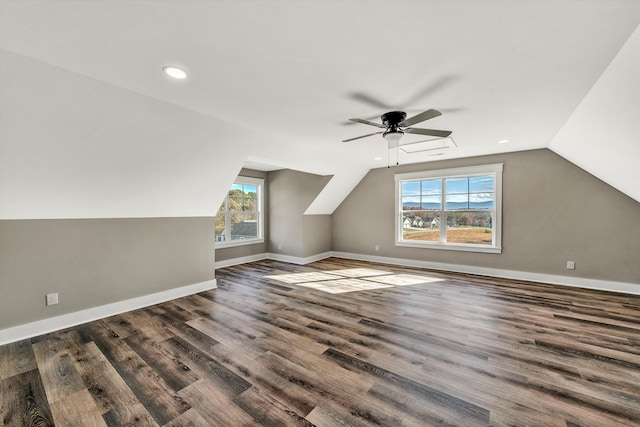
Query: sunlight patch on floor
{"type": "Point", "coordinates": [359, 272]}
{"type": "Point", "coordinates": [296, 278]}
{"type": "Point", "coordinates": [343, 285]}
{"type": "Point", "coordinates": [404, 279]}
{"type": "Point", "coordinates": [351, 280]}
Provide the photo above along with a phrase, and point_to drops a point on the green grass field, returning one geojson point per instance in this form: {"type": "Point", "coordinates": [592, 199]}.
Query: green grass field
{"type": "Point", "coordinates": [472, 235]}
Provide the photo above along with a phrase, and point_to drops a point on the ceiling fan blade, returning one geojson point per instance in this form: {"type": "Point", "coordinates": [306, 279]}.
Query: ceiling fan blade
{"type": "Point", "coordinates": [368, 99]}
{"type": "Point", "coordinates": [426, 115]}
{"type": "Point", "coordinates": [367, 122]}
{"type": "Point", "coordinates": [430, 132]}
{"type": "Point", "coordinates": [363, 136]}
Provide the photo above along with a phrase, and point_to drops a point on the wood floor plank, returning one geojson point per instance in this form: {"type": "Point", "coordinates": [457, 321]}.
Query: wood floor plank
{"type": "Point", "coordinates": [413, 406]}
{"type": "Point", "coordinates": [453, 349]}
{"type": "Point", "coordinates": [339, 389]}
{"type": "Point", "coordinates": [77, 410]}
{"type": "Point", "coordinates": [158, 398]}
{"type": "Point", "coordinates": [224, 379]}
{"type": "Point", "coordinates": [182, 329]}
{"type": "Point", "coordinates": [175, 373]}
{"type": "Point", "coordinates": [243, 343]}
{"type": "Point", "coordinates": [330, 415]}
{"type": "Point", "coordinates": [16, 358]}
{"type": "Point", "coordinates": [284, 389]}
{"type": "Point", "coordinates": [216, 406]}
{"type": "Point", "coordinates": [131, 324]}
{"type": "Point", "coordinates": [190, 418]}
{"type": "Point", "coordinates": [118, 404]}
{"type": "Point", "coordinates": [267, 410]}
{"type": "Point", "coordinates": [434, 396]}
{"type": "Point", "coordinates": [23, 401]}
{"type": "Point", "coordinates": [58, 372]}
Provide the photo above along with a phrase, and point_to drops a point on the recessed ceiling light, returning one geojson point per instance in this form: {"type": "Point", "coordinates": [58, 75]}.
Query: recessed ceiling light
{"type": "Point", "coordinates": [503, 141]}
{"type": "Point", "coordinates": [175, 72]}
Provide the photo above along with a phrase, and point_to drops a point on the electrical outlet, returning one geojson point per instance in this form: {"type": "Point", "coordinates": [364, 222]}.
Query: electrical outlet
{"type": "Point", "coordinates": [571, 265]}
{"type": "Point", "coordinates": [52, 299]}
{"type": "Point", "coordinates": [279, 246]}
{"type": "Point", "coordinates": [377, 248]}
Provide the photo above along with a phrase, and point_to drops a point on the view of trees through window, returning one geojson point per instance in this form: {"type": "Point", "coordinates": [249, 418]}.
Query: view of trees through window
{"type": "Point", "coordinates": [466, 204]}
{"type": "Point", "coordinates": [238, 217]}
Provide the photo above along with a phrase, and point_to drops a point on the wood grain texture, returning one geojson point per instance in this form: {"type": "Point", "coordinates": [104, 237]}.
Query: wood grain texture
{"type": "Point", "coordinates": [77, 410]}
{"type": "Point", "coordinates": [160, 400]}
{"type": "Point", "coordinates": [16, 358]}
{"type": "Point", "coordinates": [23, 401]}
{"type": "Point", "coordinates": [455, 350]}
{"type": "Point", "coordinates": [117, 403]}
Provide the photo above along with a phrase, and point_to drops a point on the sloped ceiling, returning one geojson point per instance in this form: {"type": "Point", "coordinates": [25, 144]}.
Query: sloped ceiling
{"type": "Point", "coordinates": [602, 135]}
{"type": "Point", "coordinates": [91, 127]}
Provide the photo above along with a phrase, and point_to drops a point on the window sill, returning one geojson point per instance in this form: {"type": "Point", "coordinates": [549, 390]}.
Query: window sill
{"type": "Point", "coordinates": [234, 243]}
{"type": "Point", "coordinates": [452, 247]}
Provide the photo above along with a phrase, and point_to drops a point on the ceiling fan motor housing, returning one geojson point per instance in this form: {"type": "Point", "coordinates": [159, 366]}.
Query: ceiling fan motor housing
{"type": "Point", "coordinates": [393, 118]}
{"type": "Point", "coordinates": [392, 121]}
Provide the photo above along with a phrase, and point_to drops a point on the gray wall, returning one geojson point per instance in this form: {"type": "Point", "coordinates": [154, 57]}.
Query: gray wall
{"type": "Point", "coordinates": [223, 254]}
{"type": "Point", "coordinates": [553, 212]}
{"type": "Point", "coordinates": [290, 231]}
{"type": "Point", "coordinates": [92, 262]}
{"type": "Point", "coordinates": [316, 237]}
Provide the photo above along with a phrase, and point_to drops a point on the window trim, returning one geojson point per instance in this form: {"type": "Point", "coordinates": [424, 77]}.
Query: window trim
{"type": "Point", "coordinates": [462, 172]}
{"type": "Point", "coordinates": [259, 183]}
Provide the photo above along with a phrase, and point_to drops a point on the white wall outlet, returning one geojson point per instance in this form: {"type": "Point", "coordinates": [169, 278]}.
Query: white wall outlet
{"type": "Point", "coordinates": [571, 265]}
{"type": "Point", "coordinates": [376, 247]}
{"type": "Point", "coordinates": [52, 299]}
{"type": "Point", "coordinates": [279, 246]}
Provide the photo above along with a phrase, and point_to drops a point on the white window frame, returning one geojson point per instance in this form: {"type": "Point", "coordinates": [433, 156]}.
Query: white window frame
{"type": "Point", "coordinates": [464, 172]}
{"type": "Point", "coordinates": [259, 183]}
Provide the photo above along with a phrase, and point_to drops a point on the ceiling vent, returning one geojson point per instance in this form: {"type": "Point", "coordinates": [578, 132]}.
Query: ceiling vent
{"type": "Point", "coordinates": [432, 145]}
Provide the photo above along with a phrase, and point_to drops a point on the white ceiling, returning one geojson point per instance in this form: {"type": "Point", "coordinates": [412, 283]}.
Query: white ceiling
{"type": "Point", "coordinates": [271, 83]}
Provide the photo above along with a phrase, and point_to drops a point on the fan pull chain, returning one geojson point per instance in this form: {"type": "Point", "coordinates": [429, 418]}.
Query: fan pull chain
{"type": "Point", "coordinates": [388, 156]}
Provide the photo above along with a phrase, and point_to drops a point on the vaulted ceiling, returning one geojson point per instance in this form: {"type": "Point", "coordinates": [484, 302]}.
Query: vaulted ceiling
{"type": "Point", "coordinates": [91, 127]}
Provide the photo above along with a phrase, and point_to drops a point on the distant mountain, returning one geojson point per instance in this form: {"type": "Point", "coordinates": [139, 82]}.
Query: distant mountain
{"type": "Point", "coordinates": [412, 205]}
{"type": "Point", "coordinates": [450, 205]}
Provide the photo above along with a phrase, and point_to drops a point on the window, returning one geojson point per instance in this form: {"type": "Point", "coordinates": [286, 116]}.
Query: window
{"type": "Point", "coordinates": [239, 220]}
{"type": "Point", "coordinates": [454, 209]}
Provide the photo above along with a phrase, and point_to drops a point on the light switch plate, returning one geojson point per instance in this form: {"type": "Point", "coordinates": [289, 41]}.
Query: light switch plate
{"type": "Point", "coordinates": [52, 299]}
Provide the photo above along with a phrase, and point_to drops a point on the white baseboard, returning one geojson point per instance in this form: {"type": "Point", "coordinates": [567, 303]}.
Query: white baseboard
{"type": "Point", "coordinates": [298, 260]}
{"type": "Point", "coordinates": [241, 260]}
{"type": "Point", "coordinates": [72, 319]}
{"type": "Point", "coordinates": [52, 324]}
{"type": "Point", "coordinates": [603, 285]}
{"type": "Point", "coordinates": [581, 282]}
{"type": "Point", "coordinates": [272, 256]}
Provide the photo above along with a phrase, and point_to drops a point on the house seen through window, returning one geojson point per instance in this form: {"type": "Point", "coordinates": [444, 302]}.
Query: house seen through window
{"type": "Point", "coordinates": [239, 219]}
{"type": "Point", "coordinates": [457, 209]}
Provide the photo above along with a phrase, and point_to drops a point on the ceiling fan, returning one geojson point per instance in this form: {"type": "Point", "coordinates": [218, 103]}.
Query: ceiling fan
{"type": "Point", "coordinates": [395, 125]}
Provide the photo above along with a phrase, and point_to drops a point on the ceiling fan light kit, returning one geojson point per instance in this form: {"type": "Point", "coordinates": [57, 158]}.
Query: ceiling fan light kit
{"type": "Point", "coordinates": [393, 137]}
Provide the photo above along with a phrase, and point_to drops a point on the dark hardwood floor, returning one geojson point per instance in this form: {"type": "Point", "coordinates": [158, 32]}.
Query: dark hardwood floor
{"type": "Point", "coordinates": [453, 350]}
